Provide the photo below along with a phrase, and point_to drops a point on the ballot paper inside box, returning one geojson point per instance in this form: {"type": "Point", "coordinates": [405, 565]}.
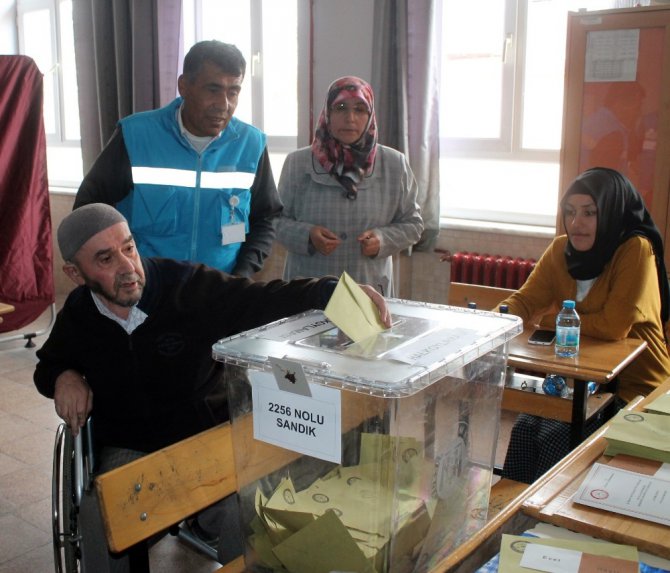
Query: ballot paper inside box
{"type": "Point", "coordinates": [371, 456]}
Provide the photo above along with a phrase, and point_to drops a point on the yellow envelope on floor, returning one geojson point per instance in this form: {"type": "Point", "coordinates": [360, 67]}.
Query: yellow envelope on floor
{"type": "Point", "coordinates": [353, 311]}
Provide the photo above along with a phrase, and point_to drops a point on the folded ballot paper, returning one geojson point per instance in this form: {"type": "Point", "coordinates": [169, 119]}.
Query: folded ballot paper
{"type": "Point", "coordinates": [640, 434]}
{"type": "Point", "coordinates": [353, 311]}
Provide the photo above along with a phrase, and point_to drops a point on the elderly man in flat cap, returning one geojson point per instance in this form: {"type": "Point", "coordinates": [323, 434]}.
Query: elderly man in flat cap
{"type": "Point", "coordinates": [132, 344]}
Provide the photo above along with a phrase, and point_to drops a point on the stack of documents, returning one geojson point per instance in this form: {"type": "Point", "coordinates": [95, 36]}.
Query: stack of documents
{"type": "Point", "coordinates": [640, 434]}
{"type": "Point", "coordinates": [660, 406]}
{"type": "Point", "coordinates": [644, 494]}
{"type": "Point", "coordinates": [522, 553]}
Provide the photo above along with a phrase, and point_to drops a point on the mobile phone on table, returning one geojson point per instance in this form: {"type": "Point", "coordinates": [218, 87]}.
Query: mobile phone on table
{"type": "Point", "coordinates": [542, 337]}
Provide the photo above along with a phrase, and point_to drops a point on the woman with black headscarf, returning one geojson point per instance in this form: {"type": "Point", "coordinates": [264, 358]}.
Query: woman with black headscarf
{"type": "Point", "coordinates": [611, 263]}
{"type": "Point", "coordinates": [349, 202]}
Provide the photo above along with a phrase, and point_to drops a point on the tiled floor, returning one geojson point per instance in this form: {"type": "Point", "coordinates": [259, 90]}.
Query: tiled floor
{"type": "Point", "coordinates": [28, 424]}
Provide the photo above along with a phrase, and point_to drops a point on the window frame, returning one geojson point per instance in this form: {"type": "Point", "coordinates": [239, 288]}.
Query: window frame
{"type": "Point", "coordinates": [508, 147]}
{"type": "Point", "coordinates": [280, 145]}
{"type": "Point", "coordinates": [23, 7]}
{"type": "Point", "coordinates": [64, 159]}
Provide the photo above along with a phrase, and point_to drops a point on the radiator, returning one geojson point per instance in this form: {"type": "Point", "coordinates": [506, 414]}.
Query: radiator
{"type": "Point", "coordinates": [490, 270]}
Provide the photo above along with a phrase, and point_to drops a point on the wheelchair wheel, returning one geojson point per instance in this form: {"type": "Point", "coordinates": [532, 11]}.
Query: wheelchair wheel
{"type": "Point", "coordinates": [64, 504]}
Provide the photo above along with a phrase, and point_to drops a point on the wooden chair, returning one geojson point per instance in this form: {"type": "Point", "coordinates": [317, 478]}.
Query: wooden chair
{"type": "Point", "coordinates": [486, 297]}
{"type": "Point", "coordinates": [157, 491]}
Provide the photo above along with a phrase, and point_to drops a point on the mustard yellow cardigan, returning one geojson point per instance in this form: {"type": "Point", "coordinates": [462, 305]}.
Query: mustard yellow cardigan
{"type": "Point", "coordinates": [624, 301]}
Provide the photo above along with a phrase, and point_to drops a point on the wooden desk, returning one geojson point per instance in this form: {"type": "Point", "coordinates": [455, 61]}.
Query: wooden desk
{"type": "Point", "coordinates": [598, 360]}
{"type": "Point", "coordinates": [542, 501]}
{"type": "Point", "coordinates": [5, 308]}
{"type": "Point", "coordinates": [551, 502]}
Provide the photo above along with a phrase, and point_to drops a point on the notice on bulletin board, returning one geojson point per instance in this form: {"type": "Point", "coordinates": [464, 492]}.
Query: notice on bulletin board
{"type": "Point", "coordinates": [611, 55]}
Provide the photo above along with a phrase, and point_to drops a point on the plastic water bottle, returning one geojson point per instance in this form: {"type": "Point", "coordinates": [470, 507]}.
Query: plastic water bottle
{"type": "Point", "coordinates": [567, 330]}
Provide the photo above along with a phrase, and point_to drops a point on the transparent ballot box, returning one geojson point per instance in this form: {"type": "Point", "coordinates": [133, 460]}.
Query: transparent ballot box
{"type": "Point", "coordinates": [374, 456]}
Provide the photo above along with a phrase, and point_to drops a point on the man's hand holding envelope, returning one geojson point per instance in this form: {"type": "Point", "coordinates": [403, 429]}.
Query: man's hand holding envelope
{"type": "Point", "coordinates": [358, 310]}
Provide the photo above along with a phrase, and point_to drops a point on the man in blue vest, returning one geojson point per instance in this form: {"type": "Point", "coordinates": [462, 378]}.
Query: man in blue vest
{"type": "Point", "coordinates": [194, 182]}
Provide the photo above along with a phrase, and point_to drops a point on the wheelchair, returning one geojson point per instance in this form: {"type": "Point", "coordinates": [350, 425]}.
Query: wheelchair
{"type": "Point", "coordinates": [72, 477]}
{"type": "Point", "coordinates": [72, 474]}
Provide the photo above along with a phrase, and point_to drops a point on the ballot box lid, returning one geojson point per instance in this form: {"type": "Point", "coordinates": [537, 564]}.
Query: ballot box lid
{"type": "Point", "coordinates": [426, 343]}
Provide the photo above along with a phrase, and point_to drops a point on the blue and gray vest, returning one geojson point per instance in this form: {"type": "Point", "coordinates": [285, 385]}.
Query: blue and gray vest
{"type": "Point", "coordinates": [182, 200]}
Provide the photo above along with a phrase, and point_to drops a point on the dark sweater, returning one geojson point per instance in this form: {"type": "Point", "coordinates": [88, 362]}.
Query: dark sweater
{"type": "Point", "coordinates": [160, 384]}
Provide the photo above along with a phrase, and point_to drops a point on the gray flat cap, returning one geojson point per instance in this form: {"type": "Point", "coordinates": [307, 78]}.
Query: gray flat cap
{"type": "Point", "coordinates": [80, 225]}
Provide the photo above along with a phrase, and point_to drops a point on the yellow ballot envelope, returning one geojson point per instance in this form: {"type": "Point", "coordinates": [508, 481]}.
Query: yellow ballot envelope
{"type": "Point", "coordinates": [659, 406]}
{"type": "Point", "coordinates": [641, 434]}
{"type": "Point", "coordinates": [353, 311]}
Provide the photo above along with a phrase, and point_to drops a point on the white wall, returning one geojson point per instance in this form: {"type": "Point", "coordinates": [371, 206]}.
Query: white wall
{"type": "Point", "coordinates": [342, 45]}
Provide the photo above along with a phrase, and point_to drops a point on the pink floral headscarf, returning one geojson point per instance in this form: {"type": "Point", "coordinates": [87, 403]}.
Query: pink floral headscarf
{"type": "Point", "coordinates": [347, 163]}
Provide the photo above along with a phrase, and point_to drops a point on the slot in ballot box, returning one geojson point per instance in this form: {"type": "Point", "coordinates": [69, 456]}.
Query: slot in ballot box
{"type": "Point", "coordinates": [372, 456]}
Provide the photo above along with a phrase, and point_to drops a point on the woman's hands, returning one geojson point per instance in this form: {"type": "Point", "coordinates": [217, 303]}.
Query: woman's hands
{"type": "Point", "coordinates": [73, 399]}
{"type": "Point", "coordinates": [370, 243]}
{"type": "Point", "coordinates": [325, 241]}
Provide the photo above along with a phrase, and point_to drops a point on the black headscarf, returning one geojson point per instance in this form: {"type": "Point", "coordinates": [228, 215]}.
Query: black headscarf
{"type": "Point", "coordinates": [621, 214]}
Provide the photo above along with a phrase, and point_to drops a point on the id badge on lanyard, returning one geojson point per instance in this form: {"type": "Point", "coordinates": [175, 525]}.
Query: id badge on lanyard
{"type": "Point", "coordinates": [233, 232]}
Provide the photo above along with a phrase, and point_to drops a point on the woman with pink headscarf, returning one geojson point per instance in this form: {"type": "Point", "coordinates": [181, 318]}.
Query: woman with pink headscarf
{"type": "Point", "coordinates": [349, 202]}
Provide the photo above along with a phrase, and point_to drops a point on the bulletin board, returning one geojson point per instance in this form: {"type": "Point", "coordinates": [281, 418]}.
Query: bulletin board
{"type": "Point", "coordinates": [617, 101]}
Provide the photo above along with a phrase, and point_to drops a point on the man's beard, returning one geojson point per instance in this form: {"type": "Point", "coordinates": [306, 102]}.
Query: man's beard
{"type": "Point", "coordinates": [114, 297]}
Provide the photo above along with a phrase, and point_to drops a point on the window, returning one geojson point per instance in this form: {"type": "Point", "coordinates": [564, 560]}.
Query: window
{"type": "Point", "coordinates": [46, 35]}
{"type": "Point", "coordinates": [270, 90]}
{"type": "Point", "coordinates": [502, 106]}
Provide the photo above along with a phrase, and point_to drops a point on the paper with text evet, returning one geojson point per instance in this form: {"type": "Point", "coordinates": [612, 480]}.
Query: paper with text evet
{"type": "Point", "coordinates": [353, 311]}
{"type": "Point", "coordinates": [309, 425]}
{"type": "Point", "coordinates": [625, 492]}
{"type": "Point", "coordinates": [560, 560]}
